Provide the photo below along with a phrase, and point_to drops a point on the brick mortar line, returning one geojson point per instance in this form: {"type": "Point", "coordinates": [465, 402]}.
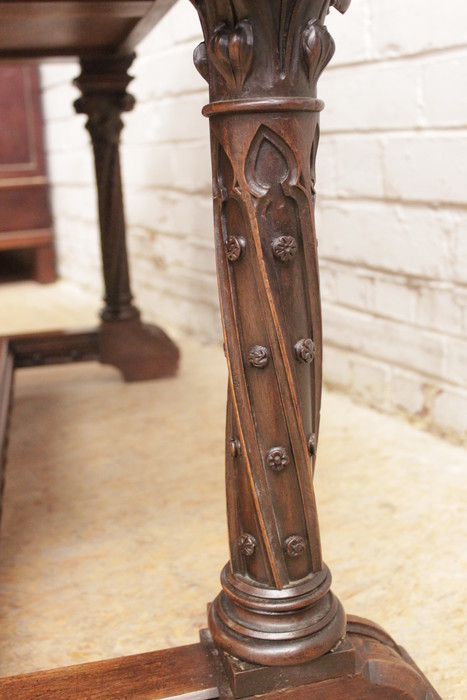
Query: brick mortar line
{"type": "Point", "coordinates": [418, 130]}
{"type": "Point", "coordinates": [439, 381]}
{"type": "Point", "coordinates": [402, 58]}
{"type": "Point", "coordinates": [388, 275]}
{"type": "Point", "coordinates": [439, 334]}
{"type": "Point", "coordinates": [412, 203]}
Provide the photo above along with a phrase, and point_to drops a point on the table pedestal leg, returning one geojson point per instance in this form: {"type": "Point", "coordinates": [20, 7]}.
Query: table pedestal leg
{"type": "Point", "coordinates": [276, 625]}
{"type": "Point", "coordinates": [140, 351]}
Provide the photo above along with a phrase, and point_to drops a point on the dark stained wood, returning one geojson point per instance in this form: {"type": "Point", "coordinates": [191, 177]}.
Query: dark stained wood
{"type": "Point", "coordinates": [276, 629]}
{"type": "Point", "coordinates": [80, 27]}
{"type": "Point", "coordinates": [263, 63]}
{"type": "Point", "coordinates": [276, 613]}
{"type": "Point", "coordinates": [24, 208]}
{"type": "Point", "coordinates": [54, 347]}
{"type": "Point", "coordinates": [25, 221]}
{"type": "Point", "coordinates": [139, 351]}
{"type": "Point", "coordinates": [103, 35]}
{"type": "Point", "coordinates": [21, 146]}
{"type": "Point", "coordinates": [184, 672]}
{"type": "Point", "coordinates": [382, 671]}
{"type": "Point", "coordinates": [6, 395]}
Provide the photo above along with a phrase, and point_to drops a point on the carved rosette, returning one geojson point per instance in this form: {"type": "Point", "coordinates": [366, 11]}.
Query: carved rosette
{"type": "Point", "coordinates": [262, 61]}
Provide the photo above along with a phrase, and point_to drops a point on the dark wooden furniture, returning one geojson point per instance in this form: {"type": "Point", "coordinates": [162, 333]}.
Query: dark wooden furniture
{"type": "Point", "coordinates": [103, 35]}
{"type": "Point", "coordinates": [26, 224]}
{"type": "Point", "coordinates": [276, 630]}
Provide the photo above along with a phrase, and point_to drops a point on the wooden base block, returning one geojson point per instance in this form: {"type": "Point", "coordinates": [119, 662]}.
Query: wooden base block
{"type": "Point", "coordinates": [368, 665]}
{"type": "Point", "coordinates": [140, 351]}
{"type": "Point", "coordinates": [244, 679]}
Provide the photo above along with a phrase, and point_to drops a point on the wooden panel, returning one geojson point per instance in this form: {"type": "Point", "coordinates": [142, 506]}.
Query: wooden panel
{"type": "Point", "coordinates": [25, 219]}
{"type": "Point", "coordinates": [21, 152]}
{"type": "Point", "coordinates": [184, 672]}
{"type": "Point", "coordinates": [23, 208]}
{"type": "Point", "coordinates": [79, 27]}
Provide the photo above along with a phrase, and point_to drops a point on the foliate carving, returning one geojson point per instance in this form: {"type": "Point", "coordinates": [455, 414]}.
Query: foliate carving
{"type": "Point", "coordinates": [284, 248]}
{"type": "Point", "coordinates": [318, 48]}
{"type": "Point", "coordinates": [104, 97]}
{"type": "Point", "coordinates": [247, 544]}
{"type": "Point", "coordinates": [269, 50]}
{"type": "Point", "coordinates": [234, 247]}
{"type": "Point", "coordinates": [200, 59]}
{"type": "Point", "coordinates": [305, 350]}
{"type": "Point", "coordinates": [232, 53]}
{"type": "Point", "coordinates": [295, 546]}
{"type": "Point", "coordinates": [277, 459]}
{"type": "Point", "coordinates": [258, 356]}
{"type": "Point", "coordinates": [103, 111]}
{"type": "Point", "coordinates": [341, 5]}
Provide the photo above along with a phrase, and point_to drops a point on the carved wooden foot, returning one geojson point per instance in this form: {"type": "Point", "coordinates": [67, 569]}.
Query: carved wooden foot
{"type": "Point", "coordinates": [276, 621]}
{"type": "Point", "coordinates": [367, 665]}
{"type": "Point", "coordinates": [139, 351]}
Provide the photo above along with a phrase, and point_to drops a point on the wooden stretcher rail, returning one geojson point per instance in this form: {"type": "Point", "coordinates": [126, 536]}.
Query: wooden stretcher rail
{"type": "Point", "coordinates": [54, 347]}
{"type": "Point", "coordinates": [6, 392]}
{"type": "Point", "coordinates": [184, 672]}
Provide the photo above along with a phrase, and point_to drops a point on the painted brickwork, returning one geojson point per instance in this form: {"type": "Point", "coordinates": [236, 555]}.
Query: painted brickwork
{"type": "Point", "coordinates": [392, 208]}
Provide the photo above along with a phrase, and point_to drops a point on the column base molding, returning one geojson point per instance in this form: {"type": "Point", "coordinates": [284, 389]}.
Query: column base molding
{"type": "Point", "coordinates": [367, 665]}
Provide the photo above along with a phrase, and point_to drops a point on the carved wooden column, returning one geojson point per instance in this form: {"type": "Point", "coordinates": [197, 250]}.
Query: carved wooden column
{"type": "Point", "coordinates": [276, 612]}
{"type": "Point", "coordinates": [140, 351]}
{"type": "Point", "coordinates": [262, 61]}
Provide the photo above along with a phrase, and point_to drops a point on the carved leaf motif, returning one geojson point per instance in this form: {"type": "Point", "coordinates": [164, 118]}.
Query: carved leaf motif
{"type": "Point", "coordinates": [318, 48]}
{"type": "Point", "coordinates": [341, 5]}
{"type": "Point", "coordinates": [200, 59]}
{"type": "Point", "coordinates": [232, 52]}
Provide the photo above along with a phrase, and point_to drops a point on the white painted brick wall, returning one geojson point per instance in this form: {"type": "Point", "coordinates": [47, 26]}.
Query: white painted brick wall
{"type": "Point", "coordinates": [392, 205]}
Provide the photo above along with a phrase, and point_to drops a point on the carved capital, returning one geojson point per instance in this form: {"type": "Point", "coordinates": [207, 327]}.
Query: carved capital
{"type": "Point", "coordinates": [254, 49]}
{"type": "Point", "coordinates": [103, 84]}
{"type": "Point", "coordinates": [104, 97]}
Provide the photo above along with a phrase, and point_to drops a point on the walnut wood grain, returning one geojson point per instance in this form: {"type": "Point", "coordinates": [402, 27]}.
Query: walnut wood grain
{"type": "Point", "coordinates": [80, 27]}
{"type": "Point", "coordinates": [183, 673]}
{"type": "Point", "coordinates": [383, 671]}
